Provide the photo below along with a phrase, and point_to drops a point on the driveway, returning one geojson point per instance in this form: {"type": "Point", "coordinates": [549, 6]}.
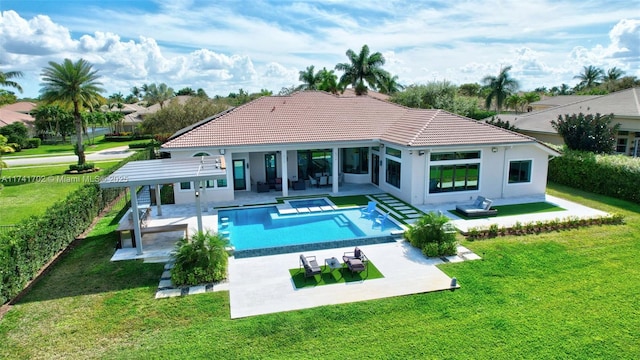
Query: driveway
{"type": "Point", "coordinates": [115, 153]}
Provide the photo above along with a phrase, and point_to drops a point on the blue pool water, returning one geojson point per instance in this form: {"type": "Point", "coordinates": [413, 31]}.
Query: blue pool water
{"type": "Point", "coordinates": [263, 227]}
{"type": "Point", "coordinates": [308, 203]}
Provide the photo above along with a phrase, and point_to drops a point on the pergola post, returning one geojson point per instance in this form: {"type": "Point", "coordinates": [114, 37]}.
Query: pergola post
{"type": "Point", "coordinates": [285, 177]}
{"type": "Point", "coordinates": [137, 234]}
{"type": "Point", "coordinates": [158, 200]}
{"type": "Point", "coordinates": [334, 169]}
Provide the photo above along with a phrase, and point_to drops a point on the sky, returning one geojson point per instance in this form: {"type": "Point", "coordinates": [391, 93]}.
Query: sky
{"type": "Point", "coordinates": [224, 45]}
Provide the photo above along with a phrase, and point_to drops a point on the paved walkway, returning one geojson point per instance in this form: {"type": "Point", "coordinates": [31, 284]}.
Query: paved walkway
{"type": "Point", "coordinates": [119, 152]}
{"type": "Point", "coordinates": [263, 285]}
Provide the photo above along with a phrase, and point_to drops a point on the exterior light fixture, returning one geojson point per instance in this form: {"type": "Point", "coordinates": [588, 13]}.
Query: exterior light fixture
{"type": "Point", "coordinates": [494, 149]}
{"type": "Point", "coordinates": [421, 152]}
{"type": "Point", "coordinates": [221, 151]}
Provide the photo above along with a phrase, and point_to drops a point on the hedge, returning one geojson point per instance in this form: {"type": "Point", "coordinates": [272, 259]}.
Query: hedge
{"type": "Point", "coordinates": [36, 240]}
{"type": "Point", "coordinates": [612, 175]}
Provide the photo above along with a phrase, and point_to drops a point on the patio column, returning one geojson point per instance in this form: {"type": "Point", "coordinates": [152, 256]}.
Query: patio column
{"type": "Point", "coordinates": [334, 170]}
{"type": "Point", "coordinates": [158, 200]}
{"type": "Point", "coordinates": [137, 234]}
{"type": "Point", "coordinates": [285, 176]}
{"type": "Point", "coordinates": [198, 205]}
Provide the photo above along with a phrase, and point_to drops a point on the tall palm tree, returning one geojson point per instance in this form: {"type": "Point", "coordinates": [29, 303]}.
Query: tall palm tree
{"type": "Point", "coordinates": [389, 85]}
{"type": "Point", "coordinates": [76, 83]}
{"type": "Point", "coordinates": [362, 67]}
{"type": "Point", "coordinates": [499, 87]}
{"type": "Point", "coordinates": [5, 76]}
{"type": "Point", "coordinates": [589, 77]}
{"type": "Point", "coordinates": [328, 81]}
{"type": "Point", "coordinates": [310, 79]}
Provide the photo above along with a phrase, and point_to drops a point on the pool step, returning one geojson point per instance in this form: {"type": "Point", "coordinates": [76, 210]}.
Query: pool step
{"type": "Point", "coordinates": [341, 220]}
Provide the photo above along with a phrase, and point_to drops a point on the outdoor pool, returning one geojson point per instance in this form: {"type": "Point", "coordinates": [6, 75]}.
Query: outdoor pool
{"type": "Point", "coordinates": [308, 203]}
{"type": "Point", "coordinates": [265, 228]}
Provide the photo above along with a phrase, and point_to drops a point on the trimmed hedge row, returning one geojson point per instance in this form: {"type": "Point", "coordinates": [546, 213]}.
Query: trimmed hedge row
{"type": "Point", "coordinates": [612, 175]}
{"type": "Point", "coordinates": [36, 240]}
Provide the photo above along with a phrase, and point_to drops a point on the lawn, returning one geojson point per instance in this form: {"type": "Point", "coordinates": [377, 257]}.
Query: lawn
{"type": "Point", "coordinates": [571, 294]}
{"type": "Point", "coordinates": [44, 185]}
{"type": "Point", "coordinates": [517, 209]}
{"type": "Point", "coordinates": [67, 149]}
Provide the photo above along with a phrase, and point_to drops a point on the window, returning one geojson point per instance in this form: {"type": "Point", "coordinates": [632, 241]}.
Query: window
{"type": "Point", "coordinates": [519, 171]}
{"type": "Point", "coordinates": [394, 152]}
{"type": "Point", "coordinates": [393, 172]}
{"type": "Point", "coordinates": [455, 155]}
{"type": "Point", "coordinates": [455, 177]}
{"type": "Point", "coordinates": [312, 162]}
{"type": "Point", "coordinates": [621, 145]}
{"type": "Point", "coordinates": [355, 160]}
{"type": "Point", "coordinates": [222, 183]}
{"type": "Point", "coordinates": [185, 185]}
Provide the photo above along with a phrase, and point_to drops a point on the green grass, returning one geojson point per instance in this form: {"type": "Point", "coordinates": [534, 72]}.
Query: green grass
{"type": "Point", "coordinates": [518, 209]}
{"type": "Point", "coordinates": [31, 190]}
{"type": "Point", "coordinates": [67, 149]}
{"type": "Point", "coordinates": [333, 277]}
{"type": "Point", "coordinates": [572, 294]}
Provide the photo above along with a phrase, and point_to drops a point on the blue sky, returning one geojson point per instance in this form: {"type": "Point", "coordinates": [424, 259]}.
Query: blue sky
{"type": "Point", "coordinates": [222, 46]}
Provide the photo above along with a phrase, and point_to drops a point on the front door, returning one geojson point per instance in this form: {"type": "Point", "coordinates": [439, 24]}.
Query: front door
{"type": "Point", "coordinates": [239, 175]}
{"type": "Point", "coordinates": [270, 168]}
{"type": "Point", "coordinates": [375, 169]}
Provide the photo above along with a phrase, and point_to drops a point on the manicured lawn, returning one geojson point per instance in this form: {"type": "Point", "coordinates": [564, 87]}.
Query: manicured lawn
{"type": "Point", "coordinates": [519, 209]}
{"type": "Point", "coordinates": [337, 276]}
{"type": "Point", "coordinates": [31, 190]}
{"type": "Point", "coordinates": [571, 294]}
{"type": "Point", "coordinates": [67, 149]}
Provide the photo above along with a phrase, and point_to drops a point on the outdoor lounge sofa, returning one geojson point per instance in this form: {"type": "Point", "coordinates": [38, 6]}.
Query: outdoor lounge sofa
{"type": "Point", "coordinates": [480, 208]}
{"type": "Point", "coordinates": [355, 260]}
{"type": "Point", "coordinates": [311, 267]}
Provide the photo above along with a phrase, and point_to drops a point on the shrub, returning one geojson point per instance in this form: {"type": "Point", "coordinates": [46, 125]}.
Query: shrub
{"type": "Point", "coordinates": [83, 167]}
{"type": "Point", "coordinates": [433, 234]}
{"type": "Point", "coordinates": [202, 259]}
{"type": "Point", "coordinates": [142, 145]}
{"type": "Point", "coordinates": [33, 143]}
{"type": "Point", "coordinates": [16, 147]}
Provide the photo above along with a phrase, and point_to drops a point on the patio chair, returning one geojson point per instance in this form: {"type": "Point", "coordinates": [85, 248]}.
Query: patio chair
{"type": "Point", "coordinates": [480, 207]}
{"type": "Point", "coordinates": [356, 261]}
{"type": "Point", "coordinates": [312, 181]}
{"type": "Point", "coordinates": [323, 181]}
{"type": "Point", "coordinates": [369, 210]}
{"type": "Point", "coordinates": [278, 184]}
{"type": "Point", "coordinates": [381, 220]}
{"type": "Point", "coordinates": [355, 254]}
{"type": "Point", "coordinates": [311, 267]}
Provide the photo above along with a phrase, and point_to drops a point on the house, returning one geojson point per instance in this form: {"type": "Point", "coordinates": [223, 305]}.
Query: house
{"type": "Point", "coordinates": [422, 156]}
{"type": "Point", "coordinates": [624, 105]}
{"type": "Point", "coordinates": [18, 112]}
{"type": "Point", "coordinates": [134, 118]}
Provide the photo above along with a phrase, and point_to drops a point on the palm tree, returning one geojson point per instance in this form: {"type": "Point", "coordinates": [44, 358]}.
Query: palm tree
{"type": "Point", "coordinates": [5, 76]}
{"type": "Point", "coordinates": [310, 80]}
{"type": "Point", "coordinates": [589, 77]}
{"type": "Point", "coordinates": [76, 83]}
{"type": "Point", "coordinates": [499, 87]}
{"type": "Point", "coordinates": [362, 67]}
{"type": "Point", "coordinates": [328, 81]}
{"type": "Point", "coordinates": [390, 86]}
{"type": "Point", "coordinates": [157, 94]}
{"type": "Point", "coordinates": [514, 101]}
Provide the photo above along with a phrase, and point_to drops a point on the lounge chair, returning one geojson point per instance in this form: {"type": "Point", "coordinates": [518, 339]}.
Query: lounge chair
{"type": "Point", "coordinates": [355, 261]}
{"type": "Point", "coordinates": [312, 181]}
{"type": "Point", "coordinates": [481, 207]}
{"type": "Point", "coordinates": [278, 184]}
{"type": "Point", "coordinates": [311, 267]}
{"type": "Point", "coordinates": [381, 220]}
{"type": "Point", "coordinates": [369, 210]}
{"type": "Point", "coordinates": [355, 254]}
{"type": "Point", "coordinates": [323, 181]}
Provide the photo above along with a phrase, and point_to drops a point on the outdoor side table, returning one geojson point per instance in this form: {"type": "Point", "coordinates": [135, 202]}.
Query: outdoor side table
{"type": "Point", "coordinates": [333, 264]}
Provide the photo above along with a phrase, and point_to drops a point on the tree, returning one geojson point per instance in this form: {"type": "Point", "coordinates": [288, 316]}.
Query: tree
{"type": "Point", "coordinates": [53, 120]}
{"type": "Point", "coordinates": [469, 89]}
{"type": "Point", "coordinates": [5, 79]}
{"type": "Point", "coordinates": [310, 80]}
{"type": "Point", "coordinates": [589, 77]}
{"type": "Point", "coordinates": [201, 259]}
{"type": "Point", "coordinates": [4, 149]}
{"type": "Point", "coordinates": [499, 88]}
{"type": "Point", "coordinates": [328, 81]}
{"type": "Point", "coordinates": [201, 93]}
{"type": "Point", "coordinates": [530, 97]}
{"type": "Point", "coordinates": [436, 95]}
{"type": "Point", "coordinates": [362, 67]}
{"type": "Point", "coordinates": [7, 97]}
{"type": "Point", "coordinates": [157, 94]}
{"type": "Point", "coordinates": [514, 101]}
{"type": "Point", "coordinates": [76, 83]}
{"type": "Point", "coordinates": [587, 132]}
{"type": "Point", "coordinates": [176, 116]}
{"type": "Point", "coordinates": [186, 91]}
{"type": "Point", "coordinates": [16, 133]}
{"type": "Point", "coordinates": [390, 85]}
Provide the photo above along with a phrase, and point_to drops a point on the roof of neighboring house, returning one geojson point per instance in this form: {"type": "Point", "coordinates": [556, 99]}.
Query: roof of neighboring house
{"type": "Point", "coordinates": [371, 93]}
{"type": "Point", "coordinates": [21, 107]}
{"type": "Point", "coordinates": [561, 100]}
{"type": "Point", "coordinates": [625, 103]}
{"type": "Point", "coordinates": [8, 117]}
{"type": "Point", "coordinates": [319, 117]}
{"type": "Point", "coordinates": [137, 116]}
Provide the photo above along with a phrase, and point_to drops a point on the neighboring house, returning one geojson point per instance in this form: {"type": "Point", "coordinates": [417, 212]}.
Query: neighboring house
{"type": "Point", "coordinates": [560, 100]}
{"type": "Point", "coordinates": [423, 156]}
{"type": "Point", "coordinates": [624, 105]}
{"type": "Point", "coordinates": [133, 119]}
{"type": "Point", "coordinates": [18, 112]}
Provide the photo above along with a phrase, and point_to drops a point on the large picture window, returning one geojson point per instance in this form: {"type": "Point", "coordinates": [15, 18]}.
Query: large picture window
{"type": "Point", "coordinates": [393, 172]}
{"type": "Point", "coordinates": [314, 163]}
{"type": "Point", "coordinates": [355, 160]}
{"type": "Point", "coordinates": [455, 177]}
{"type": "Point", "coordinates": [519, 171]}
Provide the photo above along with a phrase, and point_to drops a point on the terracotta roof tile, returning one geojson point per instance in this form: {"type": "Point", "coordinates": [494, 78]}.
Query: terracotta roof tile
{"type": "Point", "coordinates": [312, 116]}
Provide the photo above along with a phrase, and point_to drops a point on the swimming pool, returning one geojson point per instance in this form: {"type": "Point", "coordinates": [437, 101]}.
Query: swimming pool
{"type": "Point", "coordinates": [265, 228]}
{"type": "Point", "coordinates": [296, 204]}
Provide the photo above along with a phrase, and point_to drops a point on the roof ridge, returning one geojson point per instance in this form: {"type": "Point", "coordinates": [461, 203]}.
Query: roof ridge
{"type": "Point", "coordinates": [423, 128]}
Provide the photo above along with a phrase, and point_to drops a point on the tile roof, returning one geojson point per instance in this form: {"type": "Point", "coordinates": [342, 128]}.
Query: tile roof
{"type": "Point", "coordinates": [8, 117]}
{"type": "Point", "coordinates": [624, 103]}
{"type": "Point", "coordinates": [21, 107]}
{"type": "Point", "coordinates": [319, 117]}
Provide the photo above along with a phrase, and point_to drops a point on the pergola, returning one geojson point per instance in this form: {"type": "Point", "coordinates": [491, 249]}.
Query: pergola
{"type": "Point", "coordinates": [164, 171]}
